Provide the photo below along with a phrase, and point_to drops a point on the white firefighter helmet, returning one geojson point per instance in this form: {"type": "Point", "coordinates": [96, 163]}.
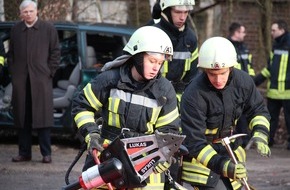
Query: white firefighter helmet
{"type": "Point", "coordinates": [217, 53]}
{"type": "Point", "coordinates": [186, 5]}
{"type": "Point", "coordinates": [149, 39]}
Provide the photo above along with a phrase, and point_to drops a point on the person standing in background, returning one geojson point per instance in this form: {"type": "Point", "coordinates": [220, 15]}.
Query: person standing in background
{"type": "Point", "coordinates": [156, 14]}
{"type": "Point", "coordinates": [278, 74]}
{"type": "Point", "coordinates": [173, 21]}
{"type": "Point", "coordinates": [33, 58]}
{"type": "Point", "coordinates": [237, 33]}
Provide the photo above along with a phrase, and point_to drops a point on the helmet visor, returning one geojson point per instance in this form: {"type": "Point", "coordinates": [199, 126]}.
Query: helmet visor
{"type": "Point", "coordinates": [160, 56]}
{"type": "Point", "coordinates": [183, 7]}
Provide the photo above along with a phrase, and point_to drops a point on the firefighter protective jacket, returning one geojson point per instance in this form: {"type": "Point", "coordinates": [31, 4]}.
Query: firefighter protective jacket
{"type": "Point", "coordinates": [244, 58]}
{"type": "Point", "coordinates": [208, 114]}
{"type": "Point", "coordinates": [278, 70]}
{"type": "Point", "coordinates": [182, 68]}
{"type": "Point", "coordinates": [123, 103]}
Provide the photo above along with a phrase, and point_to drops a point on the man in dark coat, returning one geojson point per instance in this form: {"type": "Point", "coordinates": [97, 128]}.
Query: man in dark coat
{"type": "Point", "coordinates": [33, 58]}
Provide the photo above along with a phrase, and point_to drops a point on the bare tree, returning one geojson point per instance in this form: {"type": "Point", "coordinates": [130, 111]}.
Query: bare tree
{"type": "Point", "coordinates": [2, 12]}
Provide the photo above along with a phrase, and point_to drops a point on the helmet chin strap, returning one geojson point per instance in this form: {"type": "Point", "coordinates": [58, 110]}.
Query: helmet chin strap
{"type": "Point", "coordinates": [138, 60]}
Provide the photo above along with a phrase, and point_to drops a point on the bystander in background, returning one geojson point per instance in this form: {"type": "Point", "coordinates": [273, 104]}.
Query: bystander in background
{"type": "Point", "coordinates": [33, 58]}
{"type": "Point", "coordinates": [278, 74]}
{"type": "Point", "coordinates": [237, 33]}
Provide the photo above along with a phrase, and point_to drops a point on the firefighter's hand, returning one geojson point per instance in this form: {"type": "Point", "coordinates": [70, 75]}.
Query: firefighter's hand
{"type": "Point", "coordinates": [261, 142]}
{"type": "Point", "coordinates": [94, 141]}
{"type": "Point", "coordinates": [234, 171]}
{"type": "Point", "coordinates": [162, 166]}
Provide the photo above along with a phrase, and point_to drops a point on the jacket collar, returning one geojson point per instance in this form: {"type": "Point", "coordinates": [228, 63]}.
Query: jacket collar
{"type": "Point", "coordinates": [127, 82]}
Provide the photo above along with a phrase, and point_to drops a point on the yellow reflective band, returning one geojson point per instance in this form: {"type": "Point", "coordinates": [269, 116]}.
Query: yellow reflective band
{"type": "Point", "coordinates": [168, 118]}
{"type": "Point", "coordinates": [186, 68]}
{"type": "Point", "coordinates": [188, 61]}
{"type": "Point", "coordinates": [206, 154]}
{"type": "Point", "coordinates": [84, 117]}
{"type": "Point", "coordinates": [92, 99]}
{"type": "Point", "coordinates": [153, 119]}
{"type": "Point", "coordinates": [114, 117]}
{"type": "Point", "coordinates": [106, 142]}
{"type": "Point", "coordinates": [164, 68]}
{"type": "Point", "coordinates": [2, 60]}
{"type": "Point", "coordinates": [225, 168]}
{"type": "Point", "coordinates": [236, 184]}
{"type": "Point", "coordinates": [240, 154]}
{"type": "Point", "coordinates": [155, 113]}
{"type": "Point", "coordinates": [251, 71]}
{"type": "Point", "coordinates": [238, 66]}
{"type": "Point", "coordinates": [150, 128]}
{"type": "Point", "coordinates": [194, 55]}
{"type": "Point", "coordinates": [250, 58]}
{"type": "Point", "coordinates": [276, 94]}
{"type": "Point", "coordinates": [266, 73]}
{"type": "Point", "coordinates": [211, 131]}
{"type": "Point", "coordinates": [155, 178]}
{"type": "Point", "coordinates": [271, 55]}
{"type": "Point", "coordinates": [282, 72]}
{"type": "Point", "coordinates": [193, 177]}
{"type": "Point", "coordinates": [195, 166]}
{"type": "Point", "coordinates": [178, 97]}
{"type": "Point", "coordinates": [154, 181]}
{"type": "Point", "coordinates": [259, 120]}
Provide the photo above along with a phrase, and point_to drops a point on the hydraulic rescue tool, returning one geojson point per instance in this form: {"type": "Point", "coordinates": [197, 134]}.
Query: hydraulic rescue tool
{"type": "Point", "coordinates": [127, 162]}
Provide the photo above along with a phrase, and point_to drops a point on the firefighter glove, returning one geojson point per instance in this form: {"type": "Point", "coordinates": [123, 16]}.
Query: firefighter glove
{"type": "Point", "coordinates": [94, 141]}
{"type": "Point", "coordinates": [162, 166]}
{"type": "Point", "coordinates": [234, 171]}
{"type": "Point", "coordinates": [261, 142]}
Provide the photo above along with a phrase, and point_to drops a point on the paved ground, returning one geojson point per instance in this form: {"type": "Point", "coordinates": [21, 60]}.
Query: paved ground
{"type": "Point", "coordinates": [264, 173]}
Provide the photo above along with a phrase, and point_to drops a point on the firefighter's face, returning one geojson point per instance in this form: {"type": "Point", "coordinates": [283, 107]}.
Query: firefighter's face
{"type": "Point", "coordinates": [179, 17]}
{"type": "Point", "coordinates": [152, 64]}
{"type": "Point", "coordinates": [241, 33]}
{"type": "Point", "coordinates": [276, 31]}
{"type": "Point", "coordinates": [218, 77]}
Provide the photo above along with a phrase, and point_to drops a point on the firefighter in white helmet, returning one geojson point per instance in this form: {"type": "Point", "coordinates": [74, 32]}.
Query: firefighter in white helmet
{"type": "Point", "coordinates": [210, 107]}
{"type": "Point", "coordinates": [182, 68]}
{"type": "Point", "coordinates": [130, 94]}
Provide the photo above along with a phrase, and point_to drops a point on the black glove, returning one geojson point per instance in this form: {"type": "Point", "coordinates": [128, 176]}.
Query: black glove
{"type": "Point", "coordinates": [94, 141]}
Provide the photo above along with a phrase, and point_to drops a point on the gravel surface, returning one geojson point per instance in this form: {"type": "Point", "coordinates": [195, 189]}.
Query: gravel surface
{"type": "Point", "coordinates": [264, 173]}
